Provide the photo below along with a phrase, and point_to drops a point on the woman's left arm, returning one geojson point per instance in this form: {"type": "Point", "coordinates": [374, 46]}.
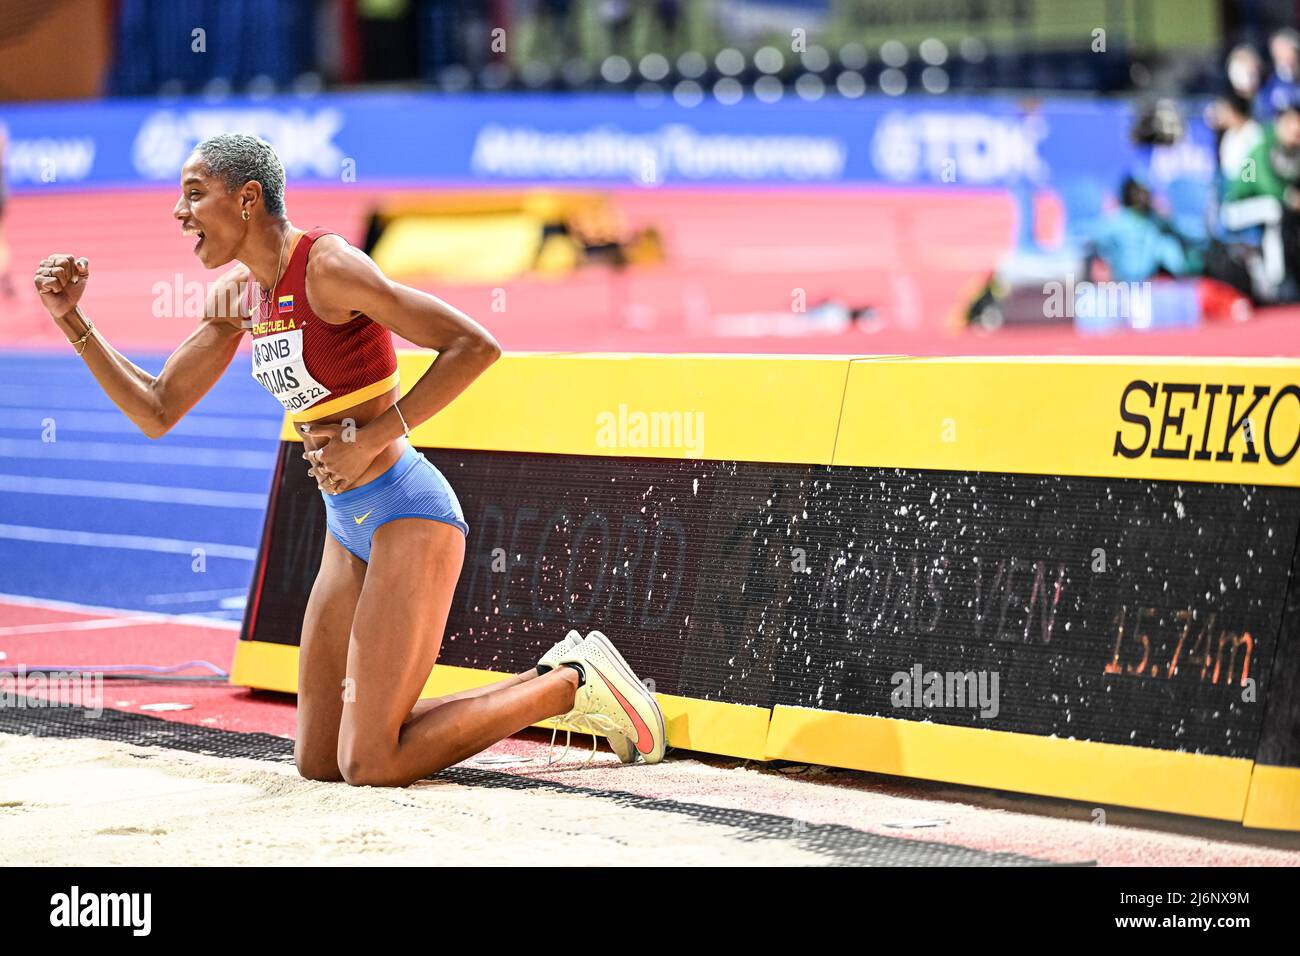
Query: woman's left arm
{"type": "Point", "coordinates": [342, 280]}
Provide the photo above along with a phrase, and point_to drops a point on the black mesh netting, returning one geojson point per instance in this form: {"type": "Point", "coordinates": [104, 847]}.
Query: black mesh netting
{"type": "Point", "coordinates": [840, 845]}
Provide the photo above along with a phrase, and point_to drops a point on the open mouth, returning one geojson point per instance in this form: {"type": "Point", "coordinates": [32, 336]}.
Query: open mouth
{"type": "Point", "coordinates": [191, 231]}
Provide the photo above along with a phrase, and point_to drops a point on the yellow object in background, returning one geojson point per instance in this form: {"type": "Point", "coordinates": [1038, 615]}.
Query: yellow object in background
{"type": "Point", "coordinates": [479, 248]}
{"type": "Point", "coordinates": [494, 235]}
{"type": "Point", "coordinates": [559, 256]}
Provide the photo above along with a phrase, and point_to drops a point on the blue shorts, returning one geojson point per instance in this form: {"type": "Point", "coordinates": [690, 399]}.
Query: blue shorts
{"type": "Point", "coordinates": [412, 488]}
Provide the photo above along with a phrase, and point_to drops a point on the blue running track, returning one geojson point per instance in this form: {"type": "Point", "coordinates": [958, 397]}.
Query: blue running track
{"type": "Point", "coordinates": [102, 515]}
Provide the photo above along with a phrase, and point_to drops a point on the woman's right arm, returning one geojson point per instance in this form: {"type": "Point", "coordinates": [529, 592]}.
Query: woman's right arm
{"type": "Point", "coordinates": [154, 403]}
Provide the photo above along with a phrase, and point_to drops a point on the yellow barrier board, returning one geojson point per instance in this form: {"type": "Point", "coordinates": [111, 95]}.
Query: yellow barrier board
{"type": "Point", "coordinates": [1104, 774]}
{"type": "Point", "coordinates": [742, 407]}
{"type": "Point", "coordinates": [1162, 419]}
{"type": "Point", "coordinates": [1274, 800]}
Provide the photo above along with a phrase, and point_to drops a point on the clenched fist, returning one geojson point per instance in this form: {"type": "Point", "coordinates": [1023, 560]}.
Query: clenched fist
{"type": "Point", "coordinates": [61, 279]}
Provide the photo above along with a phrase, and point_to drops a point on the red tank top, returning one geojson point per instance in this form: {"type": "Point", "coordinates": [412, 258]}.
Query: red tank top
{"type": "Point", "coordinates": [313, 367]}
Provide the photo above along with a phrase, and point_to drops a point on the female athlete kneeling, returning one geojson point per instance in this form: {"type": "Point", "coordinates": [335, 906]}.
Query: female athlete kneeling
{"type": "Point", "coordinates": [322, 345]}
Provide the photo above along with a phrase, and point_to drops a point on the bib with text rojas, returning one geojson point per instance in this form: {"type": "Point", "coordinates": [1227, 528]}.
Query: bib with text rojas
{"type": "Point", "coordinates": [278, 363]}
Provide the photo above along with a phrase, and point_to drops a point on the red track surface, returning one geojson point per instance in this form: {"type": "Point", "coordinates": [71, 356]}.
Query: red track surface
{"type": "Point", "coordinates": [36, 634]}
{"type": "Point", "coordinates": [911, 256]}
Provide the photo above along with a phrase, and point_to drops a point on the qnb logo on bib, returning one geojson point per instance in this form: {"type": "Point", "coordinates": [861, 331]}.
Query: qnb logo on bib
{"type": "Point", "coordinates": [279, 367]}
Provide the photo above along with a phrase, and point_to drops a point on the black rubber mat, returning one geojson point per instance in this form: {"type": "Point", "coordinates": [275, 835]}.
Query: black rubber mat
{"type": "Point", "coordinates": [839, 845]}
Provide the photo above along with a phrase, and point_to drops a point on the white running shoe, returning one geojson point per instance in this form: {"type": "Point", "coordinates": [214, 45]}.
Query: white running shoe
{"type": "Point", "coordinates": [612, 698]}
{"type": "Point", "coordinates": [553, 657]}
{"type": "Point", "coordinates": [621, 746]}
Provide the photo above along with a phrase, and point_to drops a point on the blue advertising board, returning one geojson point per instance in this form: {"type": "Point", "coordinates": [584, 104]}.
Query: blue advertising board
{"type": "Point", "coordinates": [962, 142]}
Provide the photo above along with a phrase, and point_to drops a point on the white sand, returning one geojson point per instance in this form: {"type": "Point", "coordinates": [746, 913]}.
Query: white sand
{"type": "Point", "coordinates": [92, 802]}
{"type": "Point", "coordinates": [95, 802]}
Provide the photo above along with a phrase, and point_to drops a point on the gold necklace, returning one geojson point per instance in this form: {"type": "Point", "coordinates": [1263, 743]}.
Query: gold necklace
{"type": "Point", "coordinates": [263, 307]}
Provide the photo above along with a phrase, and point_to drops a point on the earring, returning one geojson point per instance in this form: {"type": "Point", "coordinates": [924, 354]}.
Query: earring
{"type": "Point", "coordinates": [245, 215]}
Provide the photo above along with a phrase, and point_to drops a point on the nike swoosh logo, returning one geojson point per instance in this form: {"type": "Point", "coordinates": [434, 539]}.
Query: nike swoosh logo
{"type": "Point", "coordinates": [644, 739]}
{"type": "Point", "coordinates": [363, 517]}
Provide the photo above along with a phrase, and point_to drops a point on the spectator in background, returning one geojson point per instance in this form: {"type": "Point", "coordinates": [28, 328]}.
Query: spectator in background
{"type": "Point", "coordinates": [1239, 132]}
{"type": "Point", "coordinates": [1137, 244]}
{"type": "Point", "coordinates": [1235, 254]}
{"type": "Point", "coordinates": [1272, 167]}
{"type": "Point", "coordinates": [1245, 72]}
{"type": "Point", "coordinates": [1282, 88]}
{"type": "Point", "coordinates": [1265, 192]}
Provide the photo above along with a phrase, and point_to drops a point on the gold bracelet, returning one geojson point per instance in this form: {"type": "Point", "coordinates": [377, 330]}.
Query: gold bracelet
{"type": "Point", "coordinates": [80, 344]}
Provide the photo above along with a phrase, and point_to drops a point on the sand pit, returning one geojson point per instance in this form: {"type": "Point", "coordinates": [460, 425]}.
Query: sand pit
{"type": "Point", "coordinates": [129, 789]}
{"type": "Point", "coordinates": [94, 802]}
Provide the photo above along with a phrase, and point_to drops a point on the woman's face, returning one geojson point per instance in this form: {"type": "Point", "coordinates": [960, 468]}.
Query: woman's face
{"type": "Point", "coordinates": [210, 212]}
{"type": "Point", "coordinates": [1284, 56]}
{"type": "Point", "coordinates": [1243, 73]}
{"type": "Point", "coordinates": [1223, 115]}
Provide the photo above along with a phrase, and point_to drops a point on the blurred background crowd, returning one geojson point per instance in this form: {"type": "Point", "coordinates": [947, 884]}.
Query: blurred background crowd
{"type": "Point", "coordinates": [691, 167]}
{"type": "Point", "coordinates": [855, 45]}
